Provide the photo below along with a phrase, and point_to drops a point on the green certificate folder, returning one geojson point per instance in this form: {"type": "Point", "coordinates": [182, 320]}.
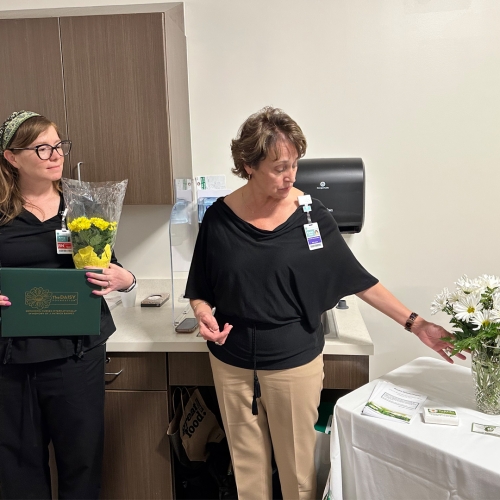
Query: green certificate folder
{"type": "Point", "coordinates": [49, 302]}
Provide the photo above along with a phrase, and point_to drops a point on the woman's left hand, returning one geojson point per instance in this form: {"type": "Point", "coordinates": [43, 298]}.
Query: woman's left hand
{"type": "Point", "coordinates": [112, 278]}
{"type": "Point", "coordinates": [432, 336]}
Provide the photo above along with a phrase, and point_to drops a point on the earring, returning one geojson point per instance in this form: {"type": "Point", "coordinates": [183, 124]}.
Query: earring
{"type": "Point", "coordinates": [249, 177]}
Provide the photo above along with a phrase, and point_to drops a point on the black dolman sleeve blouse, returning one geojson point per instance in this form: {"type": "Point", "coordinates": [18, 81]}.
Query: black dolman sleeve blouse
{"type": "Point", "coordinates": [270, 286]}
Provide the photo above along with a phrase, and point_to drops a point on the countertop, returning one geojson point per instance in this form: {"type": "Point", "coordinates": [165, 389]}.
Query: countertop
{"type": "Point", "coordinates": [151, 329]}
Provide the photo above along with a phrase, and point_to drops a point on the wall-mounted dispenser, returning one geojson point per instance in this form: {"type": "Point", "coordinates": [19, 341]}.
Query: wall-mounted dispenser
{"type": "Point", "coordinates": [339, 183]}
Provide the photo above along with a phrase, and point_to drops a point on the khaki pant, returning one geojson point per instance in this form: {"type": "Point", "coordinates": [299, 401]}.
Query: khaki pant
{"type": "Point", "coordinates": [288, 410]}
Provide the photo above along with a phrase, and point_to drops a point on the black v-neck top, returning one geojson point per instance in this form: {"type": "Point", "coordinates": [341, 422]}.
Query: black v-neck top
{"type": "Point", "coordinates": [28, 242]}
{"type": "Point", "coordinates": [270, 286]}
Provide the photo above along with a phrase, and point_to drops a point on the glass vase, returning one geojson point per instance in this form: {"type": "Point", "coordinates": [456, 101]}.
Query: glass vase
{"type": "Point", "coordinates": [485, 364]}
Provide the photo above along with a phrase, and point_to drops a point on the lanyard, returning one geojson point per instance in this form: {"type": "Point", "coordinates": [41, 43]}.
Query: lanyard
{"type": "Point", "coordinates": [63, 218]}
{"type": "Point", "coordinates": [306, 202]}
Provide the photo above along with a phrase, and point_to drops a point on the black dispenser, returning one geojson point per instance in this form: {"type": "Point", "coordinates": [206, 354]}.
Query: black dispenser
{"type": "Point", "coordinates": [339, 183]}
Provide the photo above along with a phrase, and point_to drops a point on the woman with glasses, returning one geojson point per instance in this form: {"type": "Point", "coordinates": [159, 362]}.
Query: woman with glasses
{"type": "Point", "coordinates": [51, 388]}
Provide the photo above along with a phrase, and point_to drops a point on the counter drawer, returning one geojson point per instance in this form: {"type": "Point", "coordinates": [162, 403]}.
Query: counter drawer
{"type": "Point", "coordinates": [143, 371]}
{"type": "Point", "coordinates": [189, 368]}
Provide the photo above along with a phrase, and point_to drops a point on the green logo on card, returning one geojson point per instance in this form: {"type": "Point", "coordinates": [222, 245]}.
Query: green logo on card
{"type": "Point", "coordinates": [40, 298]}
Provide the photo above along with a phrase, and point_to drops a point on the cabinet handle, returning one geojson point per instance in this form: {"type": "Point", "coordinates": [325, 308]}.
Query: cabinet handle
{"type": "Point", "coordinates": [113, 374]}
{"type": "Point", "coordinates": [78, 170]}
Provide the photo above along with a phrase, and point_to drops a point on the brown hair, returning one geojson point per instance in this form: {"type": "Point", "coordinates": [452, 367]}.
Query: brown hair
{"type": "Point", "coordinates": [11, 199]}
{"type": "Point", "coordinates": [260, 135]}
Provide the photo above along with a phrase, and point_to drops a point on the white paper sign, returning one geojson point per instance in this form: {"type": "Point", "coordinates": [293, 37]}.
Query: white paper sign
{"type": "Point", "coordinates": [391, 402]}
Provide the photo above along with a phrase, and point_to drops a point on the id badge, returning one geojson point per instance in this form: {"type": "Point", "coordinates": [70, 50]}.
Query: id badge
{"type": "Point", "coordinates": [313, 236]}
{"type": "Point", "coordinates": [63, 241]}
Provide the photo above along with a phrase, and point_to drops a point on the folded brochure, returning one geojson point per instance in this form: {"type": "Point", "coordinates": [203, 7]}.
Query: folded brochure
{"type": "Point", "coordinates": [391, 402]}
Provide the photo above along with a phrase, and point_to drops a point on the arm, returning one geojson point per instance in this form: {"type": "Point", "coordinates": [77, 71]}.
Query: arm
{"type": "Point", "coordinates": [429, 333]}
{"type": "Point", "coordinates": [209, 329]}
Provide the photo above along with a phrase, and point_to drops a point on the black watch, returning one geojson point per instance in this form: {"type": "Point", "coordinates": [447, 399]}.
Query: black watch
{"type": "Point", "coordinates": [131, 287]}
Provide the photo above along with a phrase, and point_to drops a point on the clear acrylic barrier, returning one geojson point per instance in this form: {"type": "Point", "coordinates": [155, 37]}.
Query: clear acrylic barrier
{"type": "Point", "coordinates": [186, 213]}
{"type": "Point", "coordinates": [183, 230]}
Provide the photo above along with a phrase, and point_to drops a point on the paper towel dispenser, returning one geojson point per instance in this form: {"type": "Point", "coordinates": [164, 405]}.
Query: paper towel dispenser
{"type": "Point", "coordinates": [339, 183]}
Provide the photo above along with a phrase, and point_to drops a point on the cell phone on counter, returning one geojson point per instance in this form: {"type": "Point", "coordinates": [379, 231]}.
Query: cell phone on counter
{"type": "Point", "coordinates": [155, 300]}
{"type": "Point", "coordinates": [187, 325]}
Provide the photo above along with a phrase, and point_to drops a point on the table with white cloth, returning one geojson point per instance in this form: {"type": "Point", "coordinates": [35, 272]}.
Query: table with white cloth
{"type": "Point", "coordinates": [376, 459]}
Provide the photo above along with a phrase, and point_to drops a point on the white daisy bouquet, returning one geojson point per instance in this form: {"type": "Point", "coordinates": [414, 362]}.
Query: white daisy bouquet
{"type": "Point", "coordinates": [474, 307]}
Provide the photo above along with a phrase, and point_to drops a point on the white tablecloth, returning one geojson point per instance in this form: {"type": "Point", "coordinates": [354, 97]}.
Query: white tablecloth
{"type": "Point", "coordinates": [376, 459]}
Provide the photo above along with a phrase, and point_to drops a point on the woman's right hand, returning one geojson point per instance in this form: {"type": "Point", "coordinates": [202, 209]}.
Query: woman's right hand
{"type": "Point", "coordinates": [4, 301]}
{"type": "Point", "coordinates": [209, 328]}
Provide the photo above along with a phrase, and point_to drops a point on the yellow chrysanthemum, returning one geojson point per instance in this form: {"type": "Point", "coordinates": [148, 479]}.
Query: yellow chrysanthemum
{"type": "Point", "coordinates": [79, 224]}
{"type": "Point", "coordinates": [87, 257]}
{"type": "Point", "coordinates": [100, 223]}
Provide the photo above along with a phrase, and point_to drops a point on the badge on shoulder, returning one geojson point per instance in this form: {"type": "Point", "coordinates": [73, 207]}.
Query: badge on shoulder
{"type": "Point", "coordinates": [313, 236]}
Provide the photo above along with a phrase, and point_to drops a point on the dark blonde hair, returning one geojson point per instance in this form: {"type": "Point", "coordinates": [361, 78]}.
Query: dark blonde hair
{"type": "Point", "coordinates": [11, 199]}
{"type": "Point", "coordinates": [261, 135]}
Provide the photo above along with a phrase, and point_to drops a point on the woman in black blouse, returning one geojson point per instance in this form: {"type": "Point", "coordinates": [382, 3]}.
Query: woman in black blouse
{"type": "Point", "coordinates": [259, 262]}
{"type": "Point", "coordinates": [51, 388]}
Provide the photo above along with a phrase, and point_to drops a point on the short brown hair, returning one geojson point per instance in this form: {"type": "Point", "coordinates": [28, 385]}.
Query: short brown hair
{"type": "Point", "coordinates": [260, 135]}
{"type": "Point", "coordinates": [11, 200]}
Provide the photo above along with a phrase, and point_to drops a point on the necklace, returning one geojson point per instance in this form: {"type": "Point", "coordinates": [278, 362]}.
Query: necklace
{"type": "Point", "coordinates": [268, 211]}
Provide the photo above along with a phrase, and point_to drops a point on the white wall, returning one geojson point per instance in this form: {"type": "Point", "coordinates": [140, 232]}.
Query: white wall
{"type": "Point", "coordinates": [411, 86]}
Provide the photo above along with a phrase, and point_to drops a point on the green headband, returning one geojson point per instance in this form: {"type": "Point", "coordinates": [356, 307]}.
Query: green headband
{"type": "Point", "coordinates": [10, 126]}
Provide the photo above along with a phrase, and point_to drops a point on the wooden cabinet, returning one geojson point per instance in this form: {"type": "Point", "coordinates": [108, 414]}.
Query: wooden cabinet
{"type": "Point", "coordinates": [137, 458]}
{"type": "Point", "coordinates": [137, 462]}
{"type": "Point", "coordinates": [32, 76]}
{"type": "Point", "coordinates": [116, 101]}
{"type": "Point", "coordinates": [117, 87]}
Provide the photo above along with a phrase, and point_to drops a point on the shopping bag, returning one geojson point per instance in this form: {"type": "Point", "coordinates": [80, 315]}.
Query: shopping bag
{"type": "Point", "coordinates": [195, 426]}
{"type": "Point", "coordinates": [173, 431]}
{"type": "Point", "coordinates": [199, 427]}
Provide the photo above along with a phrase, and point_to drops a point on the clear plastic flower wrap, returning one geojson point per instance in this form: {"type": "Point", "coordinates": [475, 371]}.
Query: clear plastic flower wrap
{"type": "Point", "coordinates": [94, 210]}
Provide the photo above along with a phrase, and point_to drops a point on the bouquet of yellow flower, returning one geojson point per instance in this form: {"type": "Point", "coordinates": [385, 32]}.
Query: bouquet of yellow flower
{"type": "Point", "coordinates": [92, 241]}
{"type": "Point", "coordinates": [94, 210]}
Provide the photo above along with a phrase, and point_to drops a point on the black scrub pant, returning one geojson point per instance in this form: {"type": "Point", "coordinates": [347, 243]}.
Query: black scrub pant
{"type": "Point", "coordinates": [60, 400]}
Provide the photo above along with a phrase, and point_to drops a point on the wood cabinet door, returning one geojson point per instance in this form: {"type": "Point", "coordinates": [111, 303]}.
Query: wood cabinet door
{"type": "Point", "coordinates": [345, 372]}
{"type": "Point", "coordinates": [189, 368]}
{"type": "Point", "coordinates": [136, 451]}
{"type": "Point", "coordinates": [116, 101]}
{"type": "Point", "coordinates": [31, 77]}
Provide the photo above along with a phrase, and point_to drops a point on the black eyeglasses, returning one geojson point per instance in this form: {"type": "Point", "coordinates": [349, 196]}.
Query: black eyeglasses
{"type": "Point", "coordinates": [44, 151]}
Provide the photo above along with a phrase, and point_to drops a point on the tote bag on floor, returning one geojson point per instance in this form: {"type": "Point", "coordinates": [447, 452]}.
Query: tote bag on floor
{"type": "Point", "coordinates": [192, 428]}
